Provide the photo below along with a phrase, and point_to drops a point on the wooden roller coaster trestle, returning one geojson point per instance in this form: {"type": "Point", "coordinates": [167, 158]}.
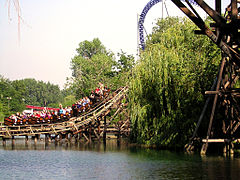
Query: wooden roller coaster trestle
{"type": "Point", "coordinates": [225, 33]}
{"type": "Point", "coordinates": [85, 125]}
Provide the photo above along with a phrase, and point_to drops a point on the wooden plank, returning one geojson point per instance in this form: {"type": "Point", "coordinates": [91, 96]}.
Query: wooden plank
{"type": "Point", "coordinates": [212, 92]}
{"type": "Point", "coordinates": [77, 132]}
{"type": "Point", "coordinates": [85, 136]}
{"type": "Point", "coordinates": [124, 124]}
{"type": "Point", "coordinates": [216, 140]}
{"type": "Point", "coordinates": [53, 129]}
{"type": "Point", "coordinates": [98, 137]}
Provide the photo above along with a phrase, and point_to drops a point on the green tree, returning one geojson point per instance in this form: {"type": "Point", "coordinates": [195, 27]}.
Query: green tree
{"type": "Point", "coordinates": [89, 48]}
{"type": "Point", "coordinates": [38, 93]}
{"type": "Point", "coordinates": [94, 64]}
{"type": "Point", "coordinates": [11, 99]}
{"type": "Point", "coordinates": [125, 62]}
{"type": "Point", "coordinates": [2, 114]}
{"type": "Point", "coordinates": [14, 95]}
{"type": "Point", "coordinates": [69, 100]}
{"type": "Point", "coordinates": [167, 90]}
{"type": "Point", "coordinates": [88, 72]}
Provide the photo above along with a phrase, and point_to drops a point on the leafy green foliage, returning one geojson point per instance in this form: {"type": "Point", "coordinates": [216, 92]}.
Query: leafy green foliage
{"type": "Point", "coordinates": [166, 92]}
{"type": "Point", "coordinates": [94, 64]}
{"type": "Point", "coordinates": [125, 62]}
{"type": "Point", "coordinates": [38, 93]}
{"type": "Point", "coordinates": [89, 48]}
{"type": "Point", "coordinates": [11, 100]}
{"type": "Point", "coordinates": [69, 100]}
{"type": "Point", "coordinates": [14, 95]}
{"type": "Point", "coordinates": [1, 112]}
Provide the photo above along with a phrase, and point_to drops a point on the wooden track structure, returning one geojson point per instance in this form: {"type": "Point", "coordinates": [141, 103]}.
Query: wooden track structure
{"type": "Point", "coordinates": [86, 125]}
{"type": "Point", "coordinates": [224, 31]}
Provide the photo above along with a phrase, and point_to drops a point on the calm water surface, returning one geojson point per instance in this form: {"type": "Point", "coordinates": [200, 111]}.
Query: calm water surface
{"type": "Point", "coordinates": [110, 161]}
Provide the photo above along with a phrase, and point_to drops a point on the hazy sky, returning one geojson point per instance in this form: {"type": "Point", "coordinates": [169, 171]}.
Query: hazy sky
{"type": "Point", "coordinates": [52, 30]}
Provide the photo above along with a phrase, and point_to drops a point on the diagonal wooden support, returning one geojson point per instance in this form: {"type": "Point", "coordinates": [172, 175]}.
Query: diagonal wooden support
{"type": "Point", "coordinates": [229, 51]}
{"type": "Point", "coordinates": [84, 135]}
{"type": "Point", "coordinates": [98, 137]}
{"type": "Point", "coordinates": [216, 16]}
{"type": "Point", "coordinates": [122, 127]}
{"type": "Point", "coordinates": [205, 146]}
{"type": "Point", "coordinates": [203, 111]}
{"type": "Point", "coordinates": [55, 132]}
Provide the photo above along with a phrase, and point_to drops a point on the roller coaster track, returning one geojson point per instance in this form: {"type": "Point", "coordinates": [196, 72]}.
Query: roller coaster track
{"type": "Point", "coordinates": [74, 124]}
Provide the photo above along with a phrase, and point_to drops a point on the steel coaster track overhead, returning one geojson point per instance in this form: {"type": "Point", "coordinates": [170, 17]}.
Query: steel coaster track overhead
{"type": "Point", "coordinates": [143, 14]}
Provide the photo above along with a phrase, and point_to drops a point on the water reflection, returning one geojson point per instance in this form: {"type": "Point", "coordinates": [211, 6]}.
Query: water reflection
{"type": "Point", "coordinates": [99, 146]}
{"type": "Point", "coordinates": [110, 160]}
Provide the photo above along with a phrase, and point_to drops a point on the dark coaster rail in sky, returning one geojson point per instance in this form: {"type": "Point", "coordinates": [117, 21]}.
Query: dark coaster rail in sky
{"type": "Point", "coordinates": [225, 33]}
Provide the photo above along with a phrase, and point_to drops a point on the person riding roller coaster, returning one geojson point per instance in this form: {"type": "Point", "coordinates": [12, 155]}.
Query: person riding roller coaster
{"type": "Point", "coordinates": [63, 114]}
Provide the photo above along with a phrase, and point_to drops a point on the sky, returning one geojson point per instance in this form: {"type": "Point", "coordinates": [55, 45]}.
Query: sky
{"type": "Point", "coordinates": [52, 29]}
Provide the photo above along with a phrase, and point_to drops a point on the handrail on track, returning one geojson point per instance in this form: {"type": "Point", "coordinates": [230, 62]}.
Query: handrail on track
{"type": "Point", "coordinates": [74, 122]}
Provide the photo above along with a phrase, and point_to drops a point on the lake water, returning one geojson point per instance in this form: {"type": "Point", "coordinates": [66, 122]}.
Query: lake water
{"type": "Point", "coordinates": [110, 161]}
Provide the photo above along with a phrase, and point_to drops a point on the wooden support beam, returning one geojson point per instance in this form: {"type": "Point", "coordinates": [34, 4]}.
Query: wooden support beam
{"type": "Point", "coordinates": [216, 140]}
{"type": "Point", "coordinates": [205, 145]}
{"type": "Point", "coordinates": [99, 128]}
{"type": "Point", "coordinates": [84, 135]}
{"type": "Point", "coordinates": [202, 114]}
{"type": "Point", "coordinates": [60, 137]}
{"type": "Point", "coordinates": [13, 140]}
{"type": "Point", "coordinates": [4, 141]}
{"type": "Point", "coordinates": [80, 134]}
{"type": "Point", "coordinates": [53, 129]}
{"type": "Point", "coordinates": [47, 138]}
{"type": "Point", "coordinates": [75, 138]}
{"type": "Point", "coordinates": [216, 16]}
{"type": "Point", "coordinates": [70, 136]}
{"type": "Point", "coordinates": [90, 132]}
{"type": "Point", "coordinates": [218, 6]}
{"type": "Point", "coordinates": [26, 139]}
{"type": "Point", "coordinates": [8, 133]}
{"type": "Point", "coordinates": [35, 139]}
{"type": "Point", "coordinates": [31, 130]}
{"type": "Point", "coordinates": [56, 138]}
{"type": "Point", "coordinates": [104, 129]}
{"type": "Point", "coordinates": [212, 92]}
{"type": "Point", "coordinates": [66, 136]}
{"type": "Point", "coordinates": [236, 127]}
{"type": "Point", "coordinates": [228, 149]}
{"type": "Point", "coordinates": [231, 148]}
{"type": "Point", "coordinates": [98, 137]}
{"type": "Point", "coordinates": [75, 127]}
{"type": "Point", "coordinates": [124, 124]}
{"type": "Point", "coordinates": [234, 9]}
